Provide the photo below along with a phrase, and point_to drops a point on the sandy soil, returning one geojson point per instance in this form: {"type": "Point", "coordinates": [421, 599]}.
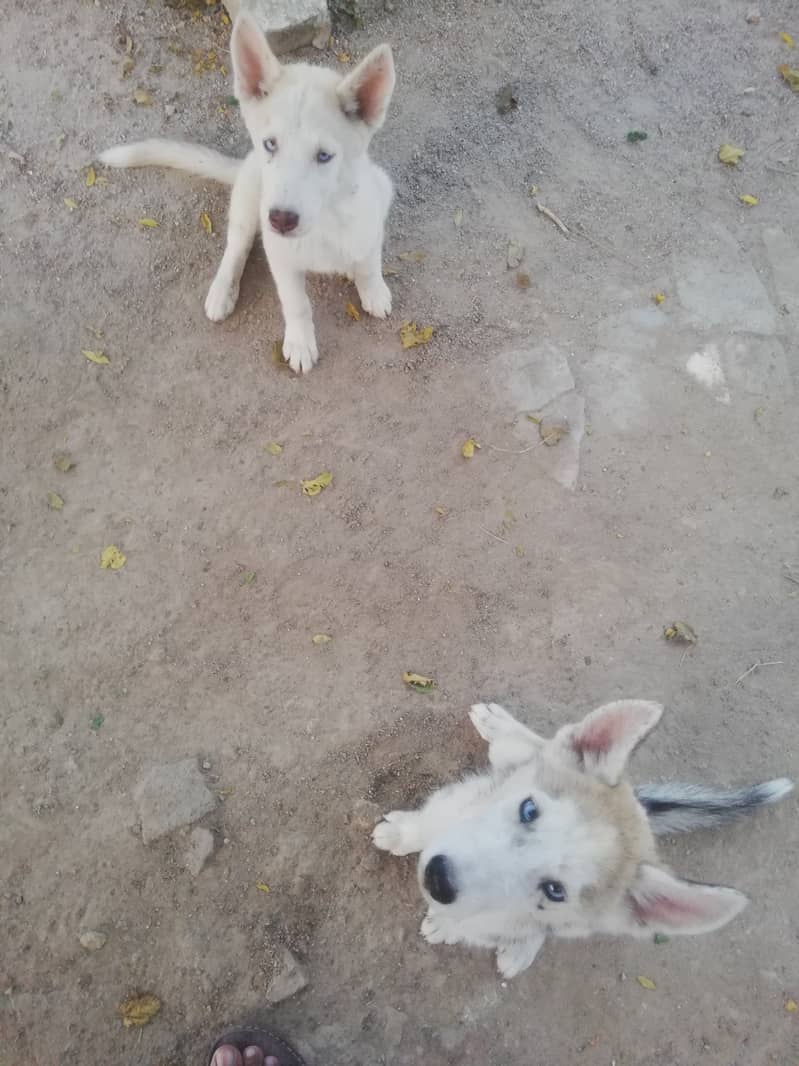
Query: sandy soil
{"type": "Point", "coordinates": [545, 586]}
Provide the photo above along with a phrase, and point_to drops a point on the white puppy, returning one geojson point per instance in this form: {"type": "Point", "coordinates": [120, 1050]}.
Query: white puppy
{"type": "Point", "coordinates": [320, 201]}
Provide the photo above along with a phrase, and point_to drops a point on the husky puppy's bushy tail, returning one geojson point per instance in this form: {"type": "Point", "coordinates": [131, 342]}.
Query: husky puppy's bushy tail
{"type": "Point", "coordinates": [675, 808]}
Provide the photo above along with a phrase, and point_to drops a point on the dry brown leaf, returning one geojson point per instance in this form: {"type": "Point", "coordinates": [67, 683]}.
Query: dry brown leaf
{"type": "Point", "coordinates": [680, 633]}
{"type": "Point", "coordinates": [127, 66]}
{"type": "Point", "coordinates": [112, 558]}
{"type": "Point", "coordinates": [321, 638]}
{"type": "Point", "coordinates": [313, 486]}
{"type": "Point", "coordinates": [206, 223]}
{"type": "Point", "coordinates": [789, 75]}
{"type": "Point", "coordinates": [515, 254]}
{"type": "Point", "coordinates": [55, 502]}
{"type": "Point", "coordinates": [248, 577]}
{"type": "Point", "coordinates": [442, 512]}
{"type": "Point", "coordinates": [411, 335]}
{"type": "Point", "coordinates": [139, 1009]}
{"type": "Point", "coordinates": [522, 280]}
{"type": "Point", "coordinates": [418, 681]}
{"type": "Point", "coordinates": [731, 155]}
{"type": "Point", "coordinates": [353, 312]}
{"type": "Point", "coordinates": [468, 449]}
{"type": "Point", "coordinates": [63, 461]}
{"type": "Point", "coordinates": [553, 430]}
{"type": "Point", "coordinates": [412, 257]}
{"type": "Point", "coordinates": [142, 97]}
{"type": "Point", "coordinates": [148, 223]}
{"type": "Point", "coordinates": [646, 982]}
{"type": "Point", "coordinates": [96, 357]}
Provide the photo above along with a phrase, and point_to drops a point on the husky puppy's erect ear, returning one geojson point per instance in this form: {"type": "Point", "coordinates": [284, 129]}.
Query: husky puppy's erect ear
{"type": "Point", "coordinates": [660, 901]}
{"type": "Point", "coordinates": [255, 66]}
{"type": "Point", "coordinates": [366, 92]}
{"type": "Point", "coordinates": [602, 743]}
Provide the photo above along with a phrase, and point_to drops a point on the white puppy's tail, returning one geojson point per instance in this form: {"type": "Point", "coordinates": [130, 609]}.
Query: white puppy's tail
{"type": "Point", "coordinates": [194, 158]}
{"type": "Point", "coordinates": [683, 808]}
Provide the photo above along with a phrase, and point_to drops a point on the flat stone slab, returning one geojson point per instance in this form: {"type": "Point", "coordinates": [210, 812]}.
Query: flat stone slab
{"type": "Point", "coordinates": [288, 24]}
{"type": "Point", "coordinates": [290, 979]}
{"type": "Point", "coordinates": [725, 292]}
{"type": "Point", "coordinates": [171, 796]}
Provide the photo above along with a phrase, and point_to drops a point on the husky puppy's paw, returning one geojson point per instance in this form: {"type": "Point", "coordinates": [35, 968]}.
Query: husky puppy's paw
{"type": "Point", "coordinates": [397, 833]}
{"type": "Point", "coordinates": [300, 351]}
{"type": "Point", "coordinates": [221, 299]}
{"type": "Point", "coordinates": [376, 298]}
{"type": "Point", "coordinates": [492, 721]}
{"type": "Point", "coordinates": [517, 956]}
{"type": "Point", "coordinates": [434, 930]}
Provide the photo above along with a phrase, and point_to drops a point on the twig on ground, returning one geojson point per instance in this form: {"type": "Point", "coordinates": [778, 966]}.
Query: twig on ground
{"type": "Point", "coordinates": [756, 666]}
{"type": "Point", "coordinates": [512, 451]}
{"type": "Point", "coordinates": [564, 229]}
{"type": "Point", "coordinates": [490, 534]}
{"type": "Point", "coordinates": [789, 575]}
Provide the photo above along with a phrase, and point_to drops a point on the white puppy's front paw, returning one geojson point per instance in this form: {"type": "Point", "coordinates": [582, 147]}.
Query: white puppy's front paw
{"type": "Point", "coordinates": [515, 957]}
{"type": "Point", "coordinates": [491, 721]}
{"type": "Point", "coordinates": [376, 298]}
{"type": "Point", "coordinates": [221, 299]}
{"type": "Point", "coordinates": [433, 930]}
{"type": "Point", "coordinates": [396, 833]}
{"type": "Point", "coordinates": [300, 351]}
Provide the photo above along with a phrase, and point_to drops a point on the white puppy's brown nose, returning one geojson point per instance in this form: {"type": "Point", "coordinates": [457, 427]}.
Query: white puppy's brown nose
{"type": "Point", "coordinates": [283, 221]}
{"type": "Point", "coordinates": [438, 880]}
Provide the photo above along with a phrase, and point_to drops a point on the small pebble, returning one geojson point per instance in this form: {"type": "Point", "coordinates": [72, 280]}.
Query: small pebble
{"type": "Point", "coordinates": [92, 939]}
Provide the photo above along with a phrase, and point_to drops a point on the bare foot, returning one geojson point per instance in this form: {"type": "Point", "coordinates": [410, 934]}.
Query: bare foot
{"type": "Point", "coordinates": [227, 1055]}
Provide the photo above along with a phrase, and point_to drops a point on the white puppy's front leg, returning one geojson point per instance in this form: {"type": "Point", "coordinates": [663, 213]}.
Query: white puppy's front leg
{"type": "Point", "coordinates": [241, 230]}
{"type": "Point", "coordinates": [401, 832]}
{"type": "Point", "coordinates": [374, 293]}
{"type": "Point", "coordinates": [510, 743]}
{"type": "Point", "coordinates": [514, 957]}
{"type": "Point", "coordinates": [299, 341]}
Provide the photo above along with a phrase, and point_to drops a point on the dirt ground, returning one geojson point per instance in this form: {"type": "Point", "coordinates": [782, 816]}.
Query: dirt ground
{"type": "Point", "coordinates": [545, 585]}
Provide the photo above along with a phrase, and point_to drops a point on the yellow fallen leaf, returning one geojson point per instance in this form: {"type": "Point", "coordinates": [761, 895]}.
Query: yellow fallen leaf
{"type": "Point", "coordinates": [750, 201]}
{"type": "Point", "coordinates": [787, 38]}
{"type": "Point", "coordinates": [273, 448]}
{"type": "Point", "coordinates": [442, 512]}
{"type": "Point", "coordinates": [519, 550]}
{"type": "Point", "coordinates": [70, 203]}
{"type": "Point", "coordinates": [412, 257]}
{"type": "Point", "coordinates": [223, 793]}
{"type": "Point", "coordinates": [142, 97]}
{"type": "Point", "coordinates": [313, 486]}
{"type": "Point", "coordinates": [658, 298]}
{"type": "Point", "coordinates": [411, 335]}
{"type": "Point", "coordinates": [96, 357]}
{"type": "Point", "coordinates": [112, 558]}
{"type": "Point", "coordinates": [262, 886]}
{"type": "Point", "coordinates": [148, 223]}
{"type": "Point", "coordinates": [248, 577]}
{"type": "Point", "coordinates": [523, 280]}
{"type": "Point", "coordinates": [54, 501]}
{"type": "Point", "coordinates": [353, 312]}
{"type": "Point", "coordinates": [321, 638]}
{"type": "Point", "coordinates": [680, 633]}
{"type": "Point", "coordinates": [91, 177]}
{"type": "Point", "coordinates": [63, 461]}
{"type": "Point", "coordinates": [139, 1009]}
{"type": "Point", "coordinates": [127, 66]}
{"type": "Point", "coordinates": [533, 190]}
{"type": "Point", "coordinates": [790, 75]}
{"type": "Point", "coordinates": [645, 982]}
{"type": "Point", "coordinates": [224, 18]}
{"type": "Point", "coordinates": [467, 451]}
{"type": "Point", "coordinates": [457, 218]}
{"type": "Point", "coordinates": [790, 1006]}
{"type": "Point", "coordinates": [206, 223]}
{"type": "Point", "coordinates": [418, 681]}
{"type": "Point", "coordinates": [730, 155]}
{"type": "Point", "coordinates": [343, 57]}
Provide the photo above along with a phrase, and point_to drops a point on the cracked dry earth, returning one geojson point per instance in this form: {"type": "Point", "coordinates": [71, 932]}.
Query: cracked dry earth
{"type": "Point", "coordinates": [183, 693]}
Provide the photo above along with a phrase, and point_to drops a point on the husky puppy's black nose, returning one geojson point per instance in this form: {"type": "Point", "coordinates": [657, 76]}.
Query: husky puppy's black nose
{"type": "Point", "coordinates": [283, 221]}
{"type": "Point", "coordinates": [438, 881]}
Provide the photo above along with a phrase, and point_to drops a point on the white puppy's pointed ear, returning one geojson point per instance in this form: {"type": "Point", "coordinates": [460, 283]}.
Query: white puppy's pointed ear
{"type": "Point", "coordinates": [602, 743]}
{"type": "Point", "coordinates": [255, 66]}
{"type": "Point", "coordinates": [659, 901]}
{"type": "Point", "coordinates": [366, 92]}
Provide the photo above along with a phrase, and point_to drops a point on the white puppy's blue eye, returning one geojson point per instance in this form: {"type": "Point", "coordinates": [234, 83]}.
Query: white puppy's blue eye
{"type": "Point", "coordinates": [528, 812]}
{"type": "Point", "coordinates": [554, 891]}
{"type": "Point", "coordinates": [270, 144]}
{"type": "Point", "coordinates": [323, 157]}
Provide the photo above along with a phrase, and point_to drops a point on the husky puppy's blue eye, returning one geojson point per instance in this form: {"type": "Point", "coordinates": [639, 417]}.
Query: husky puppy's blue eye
{"type": "Point", "coordinates": [323, 157]}
{"type": "Point", "coordinates": [528, 812]}
{"type": "Point", "coordinates": [554, 891]}
{"type": "Point", "coordinates": [270, 144]}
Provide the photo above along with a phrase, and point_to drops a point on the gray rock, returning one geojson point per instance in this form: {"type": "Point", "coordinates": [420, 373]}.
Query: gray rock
{"type": "Point", "coordinates": [92, 939]}
{"type": "Point", "coordinates": [170, 796]}
{"type": "Point", "coordinates": [288, 24]}
{"type": "Point", "coordinates": [290, 979]}
{"type": "Point", "coordinates": [199, 851]}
